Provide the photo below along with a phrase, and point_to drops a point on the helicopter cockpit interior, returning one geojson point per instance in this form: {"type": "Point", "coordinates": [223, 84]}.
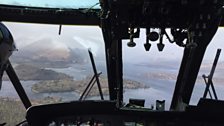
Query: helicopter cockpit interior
{"type": "Point", "coordinates": [190, 24]}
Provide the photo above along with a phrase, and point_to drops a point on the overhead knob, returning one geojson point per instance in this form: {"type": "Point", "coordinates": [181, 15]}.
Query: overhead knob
{"type": "Point", "coordinates": [153, 36]}
{"type": "Point", "coordinates": [147, 46]}
{"type": "Point", "coordinates": [160, 46]}
{"type": "Point", "coordinates": [131, 43]}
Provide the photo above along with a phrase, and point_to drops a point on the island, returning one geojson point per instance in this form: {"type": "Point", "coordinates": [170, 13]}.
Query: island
{"type": "Point", "coordinates": [79, 86]}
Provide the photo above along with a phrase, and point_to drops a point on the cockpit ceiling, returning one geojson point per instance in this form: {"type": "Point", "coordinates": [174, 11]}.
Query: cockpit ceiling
{"type": "Point", "coordinates": [79, 13]}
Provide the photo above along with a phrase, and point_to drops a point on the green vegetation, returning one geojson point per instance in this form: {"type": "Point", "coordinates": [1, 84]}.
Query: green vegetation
{"type": "Point", "coordinates": [12, 111]}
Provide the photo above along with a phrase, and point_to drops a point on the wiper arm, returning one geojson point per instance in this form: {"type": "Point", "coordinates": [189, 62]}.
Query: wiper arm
{"type": "Point", "coordinates": [1, 75]}
{"type": "Point", "coordinates": [2, 124]}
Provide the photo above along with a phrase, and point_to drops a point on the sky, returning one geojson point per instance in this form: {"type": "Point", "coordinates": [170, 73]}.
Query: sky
{"type": "Point", "coordinates": [172, 51]}
{"type": "Point", "coordinates": [85, 37]}
{"type": "Point", "coordinates": [72, 37]}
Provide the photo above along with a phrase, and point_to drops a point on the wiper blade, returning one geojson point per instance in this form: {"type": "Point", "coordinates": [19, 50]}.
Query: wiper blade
{"type": "Point", "coordinates": [2, 124]}
{"type": "Point", "coordinates": [1, 74]}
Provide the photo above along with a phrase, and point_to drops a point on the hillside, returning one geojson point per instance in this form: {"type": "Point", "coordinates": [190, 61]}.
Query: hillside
{"type": "Point", "coordinates": [79, 86]}
{"type": "Point", "coordinates": [12, 111]}
{"type": "Point", "coordinates": [48, 52]}
{"type": "Point", "coordinates": [28, 72]}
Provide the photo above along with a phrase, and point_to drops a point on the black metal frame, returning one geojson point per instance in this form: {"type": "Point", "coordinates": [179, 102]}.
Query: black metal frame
{"type": "Point", "coordinates": [206, 113]}
{"type": "Point", "coordinates": [17, 85]}
{"type": "Point", "coordinates": [58, 16]}
{"type": "Point", "coordinates": [210, 76]}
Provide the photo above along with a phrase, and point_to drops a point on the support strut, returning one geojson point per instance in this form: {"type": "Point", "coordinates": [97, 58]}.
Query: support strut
{"type": "Point", "coordinates": [17, 85]}
{"type": "Point", "coordinates": [113, 51]}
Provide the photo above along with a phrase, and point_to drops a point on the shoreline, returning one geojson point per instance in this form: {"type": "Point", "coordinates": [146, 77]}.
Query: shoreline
{"type": "Point", "coordinates": [78, 86]}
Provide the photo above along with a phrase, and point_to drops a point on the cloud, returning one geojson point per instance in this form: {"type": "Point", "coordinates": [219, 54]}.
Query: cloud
{"type": "Point", "coordinates": [87, 44]}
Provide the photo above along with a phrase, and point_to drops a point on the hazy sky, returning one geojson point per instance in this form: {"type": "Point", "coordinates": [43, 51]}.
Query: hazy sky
{"type": "Point", "coordinates": [91, 37]}
{"type": "Point", "coordinates": [172, 51]}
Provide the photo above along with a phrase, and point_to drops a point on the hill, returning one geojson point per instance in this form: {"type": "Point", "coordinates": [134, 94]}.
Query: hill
{"type": "Point", "coordinates": [79, 86]}
{"type": "Point", "coordinates": [28, 72]}
{"type": "Point", "coordinates": [48, 52]}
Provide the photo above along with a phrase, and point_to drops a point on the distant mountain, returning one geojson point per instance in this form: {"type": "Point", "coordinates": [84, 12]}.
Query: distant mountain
{"type": "Point", "coordinates": [28, 72]}
{"type": "Point", "coordinates": [165, 64]}
{"type": "Point", "coordinates": [46, 49]}
{"type": "Point", "coordinates": [220, 65]}
{"type": "Point", "coordinates": [49, 53]}
{"type": "Point", "coordinates": [160, 75]}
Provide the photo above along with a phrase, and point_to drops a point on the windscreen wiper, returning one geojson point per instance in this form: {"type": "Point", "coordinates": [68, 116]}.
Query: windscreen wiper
{"type": "Point", "coordinates": [95, 79]}
{"type": "Point", "coordinates": [3, 124]}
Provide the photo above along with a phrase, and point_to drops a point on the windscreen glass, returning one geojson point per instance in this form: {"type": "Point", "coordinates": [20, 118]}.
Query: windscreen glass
{"type": "Point", "coordinates": [52, 68]}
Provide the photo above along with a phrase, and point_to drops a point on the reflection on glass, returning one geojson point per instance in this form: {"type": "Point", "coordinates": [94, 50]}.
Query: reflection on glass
{"type": "Point", "coordinates": [1, 35]}
{"type": "Point", "coordinates": [74, 4]}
